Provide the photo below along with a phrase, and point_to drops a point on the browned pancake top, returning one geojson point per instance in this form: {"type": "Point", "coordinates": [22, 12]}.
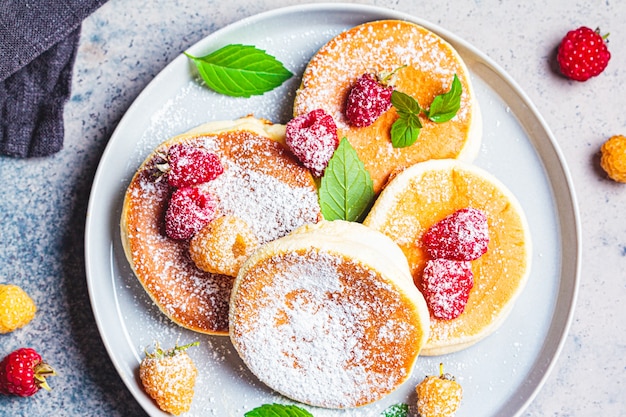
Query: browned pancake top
{"type": "Point", "coordinates": [262, 184]}
{"type": "Point", "coordinates": [324, 329]}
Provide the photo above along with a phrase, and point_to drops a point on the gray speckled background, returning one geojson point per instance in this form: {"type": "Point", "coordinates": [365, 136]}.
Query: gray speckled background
{"type": "Point", "coordinates": [126, 43]}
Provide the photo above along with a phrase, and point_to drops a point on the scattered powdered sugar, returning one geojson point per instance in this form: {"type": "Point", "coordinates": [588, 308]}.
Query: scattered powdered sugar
{"type": "Point", "coordinates": [270, 207]}
{"type": "Point", "coordinates": [173, 117]}
{"type": "Point", "coordinates": [318, 336]}
{"type": "Point", "coordinates": [267, 203]}
{"type": "Point", "coordinates": [163, 265]}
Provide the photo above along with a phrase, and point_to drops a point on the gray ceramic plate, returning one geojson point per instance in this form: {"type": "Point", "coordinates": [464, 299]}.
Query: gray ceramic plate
{"type": "Point", "coordinates": [500, 375]}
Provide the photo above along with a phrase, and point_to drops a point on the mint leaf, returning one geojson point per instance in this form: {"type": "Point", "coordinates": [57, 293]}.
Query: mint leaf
{"type": "Point", "coordinates": [445, 106]}
{"type": "Point", "coordinates": [406, 128]}
{"type": "Point", "coordinates": [404, 131]}
{"type": "Point", "coordinates": [278, 410]}
{"type": "Point", "coordinates": [396, 410]}
{"type": "Point", "coordinates": [240, 70]}
{"type": "Point", "coordinates": [404, 103]}
{"type": "Point", "coordinates": [346, 190]}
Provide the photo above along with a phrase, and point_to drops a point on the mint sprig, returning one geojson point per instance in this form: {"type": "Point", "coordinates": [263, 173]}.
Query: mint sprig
{"type": "Point", "coordinates": [406, 128]}
{"type": "Point", "coordinates": [396, 410]}
{"type": "Point", "coordinates": [278, 410]}
{"type": "Point", "coordinates": [240, 70]}
{"type": "Point", "coordinates": [346, 189]}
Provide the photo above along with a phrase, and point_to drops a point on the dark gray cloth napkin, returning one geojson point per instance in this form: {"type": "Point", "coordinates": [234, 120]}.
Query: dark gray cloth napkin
{"type": "Point", "coordinates": [38, 43]}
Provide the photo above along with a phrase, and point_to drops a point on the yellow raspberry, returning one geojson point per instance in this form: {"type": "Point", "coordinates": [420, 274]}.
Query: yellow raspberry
{"type": "Point", "coordinates": [17, 309]}
{"type": "Point", "coordinates": [438, 396]}
{"type": "Point", "coordinates": [223, 245]}
{"type": "Point", "coordinates": [613, 159]}
{"type": "Point", "coordinates": [169, 378]}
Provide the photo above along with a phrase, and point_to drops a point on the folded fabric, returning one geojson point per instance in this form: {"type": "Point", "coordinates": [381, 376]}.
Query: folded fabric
{"type": "Point", "coordinates": [38, 43]}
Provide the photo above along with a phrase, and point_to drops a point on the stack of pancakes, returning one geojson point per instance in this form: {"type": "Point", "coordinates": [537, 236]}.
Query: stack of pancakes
{"type": "Point", "coordinates": [330, 313]}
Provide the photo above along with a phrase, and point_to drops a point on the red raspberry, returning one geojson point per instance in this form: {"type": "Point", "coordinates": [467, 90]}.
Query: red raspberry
{"type": "Point", "coordinates": [23, 372]}
{"type": "Point", "coordinates": [583, 54]}
{"type": "Point", "coordinates": [446, 286]}
{"type": "Point", "coordinates": [312, 138]}
{"type": "Point", "coordinates": [367, 100]}
{"type": "Point", "coordinates": [461, 236]}
{"type": "Point", "coordinates": [190, 165]}
{"type": "Point", "coordinates": [189, 210]}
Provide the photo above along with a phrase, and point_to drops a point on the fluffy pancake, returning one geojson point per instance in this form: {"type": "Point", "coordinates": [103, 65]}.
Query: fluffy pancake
{"type": "Point", "coordinates": [262, 186]}
{"type": "Point", "coordinates": [428, 65]}
{"type": "Point", "coordinates": [329, 315]}
{"type": "Point", "coordinates": [427, 192]}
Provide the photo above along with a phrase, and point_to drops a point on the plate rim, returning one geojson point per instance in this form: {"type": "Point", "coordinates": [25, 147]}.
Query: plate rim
{"type": "Point", "coordinates": [568, 220]}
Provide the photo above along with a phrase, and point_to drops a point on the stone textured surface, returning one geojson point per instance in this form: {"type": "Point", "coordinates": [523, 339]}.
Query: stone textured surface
{"type": "Point", "coordinates": [125, 44]}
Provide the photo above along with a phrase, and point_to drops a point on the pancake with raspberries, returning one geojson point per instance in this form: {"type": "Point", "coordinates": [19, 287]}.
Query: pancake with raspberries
{"type": "Point", "coordinates": [329, 315]}
{"type": "Point", "coordinates": [200, 204]}
{"type": "Point", "coordinates": [467, 242]}
{"type": "Point", "coordinates": [351, 79]}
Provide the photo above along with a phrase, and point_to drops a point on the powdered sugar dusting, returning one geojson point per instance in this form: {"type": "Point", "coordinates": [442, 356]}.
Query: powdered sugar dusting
{"type": "Point", "coordinates": [315, 335]}
{"type": "Point", "coordinates": [225, 387]}
{"type": "Point", "coordinates": [249, 189]}
{"type": "Point", "coordinates": [361, 50]}
{"type": "Point", "coordinates": [270, 207]}
{"type": "Point", "coordinates": [262, 185]}
{"type": "Point", "coordinates": [182, 291]}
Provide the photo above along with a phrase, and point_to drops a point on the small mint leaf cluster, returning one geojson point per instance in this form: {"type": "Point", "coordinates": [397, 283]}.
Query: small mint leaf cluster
{"type": "Point", "coordinates": [406, 128]}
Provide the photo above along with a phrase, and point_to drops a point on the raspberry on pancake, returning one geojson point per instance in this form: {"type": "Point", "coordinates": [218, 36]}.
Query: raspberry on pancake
{"type": "Point", "coordinates": [262, 186]}
{"type": "Point", "coordinates": [424, 194]}
{"type": "Point", "coordinates": [423, 66]}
